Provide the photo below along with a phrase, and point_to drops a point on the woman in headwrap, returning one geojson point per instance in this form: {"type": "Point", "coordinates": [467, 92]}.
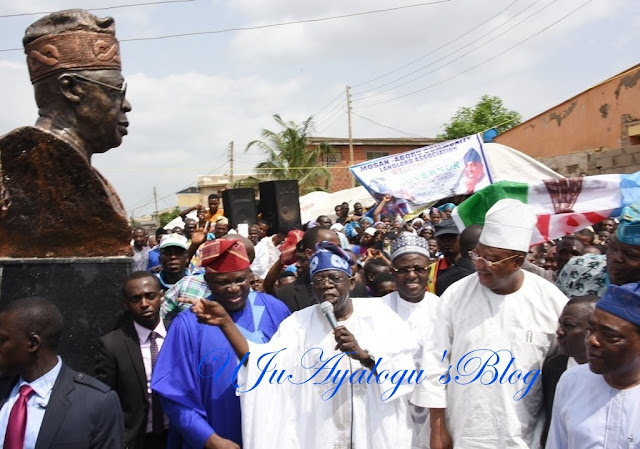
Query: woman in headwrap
{"type": "Point", "coordinates": [446, 210]}
{"type": "Point", "coordinates": [366, 222]}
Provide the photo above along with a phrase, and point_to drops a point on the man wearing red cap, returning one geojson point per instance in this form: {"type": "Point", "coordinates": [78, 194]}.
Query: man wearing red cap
{"type": "Point", "coordinates": [195, 369]}
{"type": "Point", "coordinates": [314, 387]}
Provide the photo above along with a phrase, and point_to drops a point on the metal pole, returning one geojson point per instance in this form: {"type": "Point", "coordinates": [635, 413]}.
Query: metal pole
{"type": "Point", "coordinates": [353, 179]}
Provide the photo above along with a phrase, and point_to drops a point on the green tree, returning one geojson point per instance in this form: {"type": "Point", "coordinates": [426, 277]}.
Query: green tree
{"type": "Point", "coordinates": [289, 156]}
{"type": "Point", "coordinates": [166, 217]}
{"type": "Point", "coordinates": [488, 113]}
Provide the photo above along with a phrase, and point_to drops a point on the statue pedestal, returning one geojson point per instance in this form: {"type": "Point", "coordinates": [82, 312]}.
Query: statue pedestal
{"type": "Point", "coordinates": [86, 290]}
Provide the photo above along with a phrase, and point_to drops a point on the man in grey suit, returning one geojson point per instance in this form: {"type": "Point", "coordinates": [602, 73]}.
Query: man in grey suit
{"type": "Point", "coordinates": [44, 403]}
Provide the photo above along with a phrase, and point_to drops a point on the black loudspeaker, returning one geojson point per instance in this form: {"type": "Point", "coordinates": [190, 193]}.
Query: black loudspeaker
{"type": "Point", "coordinates": [239, 206]}
{"type": "Point", "coordinates": [280, 205]}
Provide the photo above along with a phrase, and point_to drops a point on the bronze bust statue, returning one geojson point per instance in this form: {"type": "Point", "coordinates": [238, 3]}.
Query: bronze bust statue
{"type": "Point", "coordinates": [53, 203]}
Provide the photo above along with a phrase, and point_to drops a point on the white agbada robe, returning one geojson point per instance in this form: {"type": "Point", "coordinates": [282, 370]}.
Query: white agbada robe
{"type": "Point", "coordinates": [420, 318]}
{"type": "Point", "coordinates": [589, 413]}
{"type": "Point", "coordinates": [484, 410]}
{"type": "Point", "coordinates": [288, 416]}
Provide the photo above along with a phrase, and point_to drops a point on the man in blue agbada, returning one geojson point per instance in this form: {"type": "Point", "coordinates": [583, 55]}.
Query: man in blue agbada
{"type": "Point", "coordinates": [195, 368]}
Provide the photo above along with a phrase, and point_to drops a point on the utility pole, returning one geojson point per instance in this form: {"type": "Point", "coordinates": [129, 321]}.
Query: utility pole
{"type": "Point", "coordinates": [155, 214]}
{"type": "Point", "coordinates": [231, 162]}
{"type": "Point", "coordinates": [353, 179]}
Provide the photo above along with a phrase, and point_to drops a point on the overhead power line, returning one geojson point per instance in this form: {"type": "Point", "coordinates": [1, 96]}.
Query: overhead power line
{"type": "Point", "coordinates": [439, 48]}
{"type": "Point", "coordinates": [337, 97]}
{"type": "Point", "coordinates": [456, 51]}
{"type": "Point", "coordinates": [105, 8]}
{"type": "Point", "coordinates": [293, 22]}
{"type": "Point", "coordinates": [330, 124]}
{"type": "Point", "coordinates": [483, 62]}
{"type": "Point", "coordinates": [173, 193]}
{"type": "Point", "coordinates": [272, 25]}
{"type": "Point", "coordinates": [385, 126]}
{"type": "Point", "coordinates": [327, 116]}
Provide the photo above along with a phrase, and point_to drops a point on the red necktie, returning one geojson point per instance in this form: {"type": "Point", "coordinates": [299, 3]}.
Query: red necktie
{"type": "Point", "coordinates": [14, 438]}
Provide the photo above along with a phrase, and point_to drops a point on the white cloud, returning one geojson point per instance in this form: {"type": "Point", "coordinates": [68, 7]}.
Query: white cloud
{"type": "Point", "coordinates": [192, 96]}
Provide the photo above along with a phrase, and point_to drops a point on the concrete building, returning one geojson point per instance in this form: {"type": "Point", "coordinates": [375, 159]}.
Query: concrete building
{"type": "Point", "coordinates": [363, 150]}
{"type": "Point", "coordinates": [594, 132]}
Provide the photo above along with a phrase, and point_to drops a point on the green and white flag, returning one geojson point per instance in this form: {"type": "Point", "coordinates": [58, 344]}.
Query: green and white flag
{"type": "Point", "coordinates": [563, 206]}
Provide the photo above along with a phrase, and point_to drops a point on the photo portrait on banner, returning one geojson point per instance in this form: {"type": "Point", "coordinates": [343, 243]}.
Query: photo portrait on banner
{"type": "Point", "coordinates": [427, 174]}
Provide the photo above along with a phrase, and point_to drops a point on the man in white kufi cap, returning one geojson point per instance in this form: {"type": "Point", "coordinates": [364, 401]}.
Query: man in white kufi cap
{"type": "Point", "coordinates": [494, 330]}
{"type": "Point", "coordinates": [415, 306]}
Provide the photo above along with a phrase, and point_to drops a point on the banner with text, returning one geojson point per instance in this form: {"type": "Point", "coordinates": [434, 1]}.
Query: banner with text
{"type": "Point", "coordinates": [427, 174]}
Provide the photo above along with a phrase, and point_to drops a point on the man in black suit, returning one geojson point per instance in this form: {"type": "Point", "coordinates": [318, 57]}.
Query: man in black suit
{"type": "Point", "coordinates": [126, 359]}
{"type": "Point", "coordinates": [44, 403]}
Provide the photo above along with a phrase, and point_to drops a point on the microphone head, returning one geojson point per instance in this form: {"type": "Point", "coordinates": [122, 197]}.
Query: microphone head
{"type": "Point", "coordinates": [326, 307]}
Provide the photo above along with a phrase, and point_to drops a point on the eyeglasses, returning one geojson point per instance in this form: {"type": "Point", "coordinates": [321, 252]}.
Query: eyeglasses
{"type": "Point", "coordinates": [333, 280]}
{"type": "Point", "coordinates": [475, 258]}
{"type": "Point", "coordinates": [122, 90]}
{"type": "Point", "coordinates": [406, 270]}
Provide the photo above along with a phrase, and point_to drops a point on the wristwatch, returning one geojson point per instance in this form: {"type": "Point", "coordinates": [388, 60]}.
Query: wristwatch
{"type": "Point", "coordinates": [370, 362]}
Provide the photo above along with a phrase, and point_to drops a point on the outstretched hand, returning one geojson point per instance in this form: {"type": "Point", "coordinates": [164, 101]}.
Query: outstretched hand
{"type": "Point", "coordinates": [207, 312]}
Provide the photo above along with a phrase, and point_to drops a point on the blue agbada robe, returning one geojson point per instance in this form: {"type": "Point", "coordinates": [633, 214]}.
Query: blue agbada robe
{"type": "Point", "coordinates": [194, 373]}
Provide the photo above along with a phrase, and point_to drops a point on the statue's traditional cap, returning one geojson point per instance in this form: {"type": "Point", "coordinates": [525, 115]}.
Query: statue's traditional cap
{"type": "Point", "coordinates": [70, 40]}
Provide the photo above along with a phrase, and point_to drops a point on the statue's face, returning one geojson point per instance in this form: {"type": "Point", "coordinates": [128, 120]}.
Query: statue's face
{"type": "Point", "coordinates": [101, 114]}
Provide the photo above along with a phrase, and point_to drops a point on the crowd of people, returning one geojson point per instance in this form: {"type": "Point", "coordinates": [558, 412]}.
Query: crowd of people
{"type": "Point", "coordinates": [435, 337]}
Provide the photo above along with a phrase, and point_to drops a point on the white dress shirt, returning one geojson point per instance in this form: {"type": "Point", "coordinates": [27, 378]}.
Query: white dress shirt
{"type": "Point", "coordinates": [36, 405]}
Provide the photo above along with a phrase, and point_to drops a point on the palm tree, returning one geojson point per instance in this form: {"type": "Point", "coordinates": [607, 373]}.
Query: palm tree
{"type": "Point", "coordinates": [288, 156]}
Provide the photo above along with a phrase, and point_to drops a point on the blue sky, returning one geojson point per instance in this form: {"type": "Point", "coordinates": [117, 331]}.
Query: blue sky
{"type": "Point", "coordinates": [193, 95]}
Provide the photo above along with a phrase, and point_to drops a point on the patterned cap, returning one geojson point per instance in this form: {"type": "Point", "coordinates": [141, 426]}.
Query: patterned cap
{"type": "Point", "coordinates": [629, 228]}
{"type": "Point", "coordinates": [70, 40]}
{"type": "Point", "coordinates": [224, 256]}
{"type": "Point", "coordinates": [329, 257]}
{"type": "Point", "coordinates": [623, 302]}
{"type": "Point", "coordinates": [408, 243]}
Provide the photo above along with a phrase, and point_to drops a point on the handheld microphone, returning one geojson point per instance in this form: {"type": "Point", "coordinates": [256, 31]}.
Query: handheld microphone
{"type": "Point", "coordinates": [327, 309]}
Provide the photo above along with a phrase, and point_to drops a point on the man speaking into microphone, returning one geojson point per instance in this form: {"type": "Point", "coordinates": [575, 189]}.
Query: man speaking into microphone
{"type": "Point", "coordinates": [327, 388]}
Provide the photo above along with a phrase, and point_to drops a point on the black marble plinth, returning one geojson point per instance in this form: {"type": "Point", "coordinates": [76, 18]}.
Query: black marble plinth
{"type": "Point", "coordinates": [86, 290]}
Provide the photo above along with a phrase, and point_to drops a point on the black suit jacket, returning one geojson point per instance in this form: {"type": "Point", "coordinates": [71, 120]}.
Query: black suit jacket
{"type": "Point", "coordinates": [552, 369]}
{"type": "Point", "coordinates": [82, 413]}
{"type": "Point", "coordinates": [120, 366]}
{"type": "Point", "coordinates": [461, 269]}
{"type": "Point", "coordinates": [296, 295]}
